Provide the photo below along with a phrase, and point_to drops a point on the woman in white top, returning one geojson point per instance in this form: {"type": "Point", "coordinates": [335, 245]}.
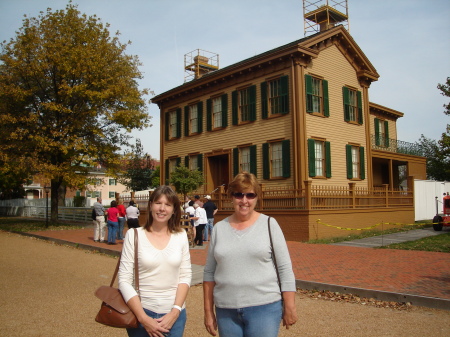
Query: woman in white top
{"type": "Point", "coordinates": [164, 269]}
{"type": "Point", "coordinates": [132, 213]}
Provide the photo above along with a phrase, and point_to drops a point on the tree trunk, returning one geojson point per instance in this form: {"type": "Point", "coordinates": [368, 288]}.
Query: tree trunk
{"type": "Point", "coordinates": [55, 183]}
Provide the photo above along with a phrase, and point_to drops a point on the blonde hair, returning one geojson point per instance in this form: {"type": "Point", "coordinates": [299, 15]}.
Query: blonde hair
{"type": "Point", "coordinates": [244, 182]}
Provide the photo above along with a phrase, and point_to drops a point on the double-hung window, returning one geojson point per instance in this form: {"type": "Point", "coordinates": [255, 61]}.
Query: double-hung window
{"type": "Point", "coordinates": [381, 133]}
{"type": "Point", "coordinates": [317, 96]}
{"type": "Point", "coordinates": [112, 182]}
{"type": "Point", "coordinates": [352, 105]}
{"type": "Point", "coordinates": [244, 105]}
{"type": "Point", "coordinates": [112, 194]}
{"type": "Point", "coordinates": [355, 162]}
{"type": "Point", "coordinates": [244, 159]}
{"type": "Point", "coordinates": [276, 159]}
{"type": "Point", "coordinates": [193, 117]}
{"type": "Point", "coordinates": [216, 112]}
{"type": "Point", "coordinates": [319, 158]}
{"type": "Point", "coordinates": [275, 97]}
{"type": "Point", "coordinates": [173, 124]}
{"type": "Point", "coordinates": [194, 162]}
{"type": "Point", "coordinates": [170, 165]}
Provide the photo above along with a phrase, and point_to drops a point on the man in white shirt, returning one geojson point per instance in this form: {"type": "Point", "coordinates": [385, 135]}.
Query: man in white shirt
{"type": "Point", "coordinates": [200, 221]}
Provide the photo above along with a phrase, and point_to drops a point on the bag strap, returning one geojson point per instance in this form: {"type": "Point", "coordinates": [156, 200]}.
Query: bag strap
{"type": "Point", "coordinates": [136, 266]}
{"type": "Point", "coordinates": [273, 253]}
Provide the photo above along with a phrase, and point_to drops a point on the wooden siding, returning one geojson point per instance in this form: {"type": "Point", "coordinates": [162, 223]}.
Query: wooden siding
{"type": "Point", "coordinates": [334, 67]}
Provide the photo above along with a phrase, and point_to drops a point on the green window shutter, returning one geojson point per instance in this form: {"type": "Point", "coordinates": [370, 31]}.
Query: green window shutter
{"type": "Point", "coordinates": [326, 102]}
{"type": "Point", "coordinates": [377, 131]}
{"type": "Point", "coordinates": [208, 115]}
{"type": "Point", "coordinates": [167, 120]}
{"type": "Point", "coordinates": [253, 167]}
{"type": "Point", "coordinates": [386, 133]}
{"type": "Point", "coordinates": [266, 161]}
{"type": "Point", "coordinates": [362, 163]}
{"type": "Point", "coordinates": [178, 161]}
{"type": "Point", "coordinates": [234, 103]}
{"type": "Point", "coordinates": [224, 110]}
{"type": "Point", "coordinates": [348, 150]}
{"type": "Point", "coordinates": [264, 111]}
{"type": "Point", "coordinates": [308, 86]}
{"type": "Point", "coordinates": [200, 162]}
{"type": "Point", "coordinates": [360, 110]}
{"type": "Point", "coordinates": [346, 98]}
{"type": "Point", "coordinates": [235, 161]}
{"type": "Point", "coordinates": [186, 121]}
{"type": "Point", "coordinates": [328, 159]}
{"type": "Point", "coordinates": [186, 161]}
{"type": "Point", "coordinates": [178, 123]}
{"type": "Point", "coordinates": [311, 158]}
{"type": "Point", "coordinates": [166, 170]}
{"type": "Point", "coordinates": [286, 153]}
{"type": "Point", "coordinates": [252, 102]}
{"type": "Point", "coordinates": [284, 80]}
{"type": "Point", "coordinates": [200, 117]}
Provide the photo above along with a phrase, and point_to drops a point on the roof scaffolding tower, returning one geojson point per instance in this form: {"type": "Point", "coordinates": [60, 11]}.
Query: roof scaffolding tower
{"type": "Point", "coordinates": [321, 15]}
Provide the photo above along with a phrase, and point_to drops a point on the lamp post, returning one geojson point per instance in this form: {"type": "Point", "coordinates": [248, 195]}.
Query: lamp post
{"type": "Point", "coordinates": [46, 190]}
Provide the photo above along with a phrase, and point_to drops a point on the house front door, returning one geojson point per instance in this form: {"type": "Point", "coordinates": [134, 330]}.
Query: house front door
{"type": "Point", "coordinates": [219, 172]}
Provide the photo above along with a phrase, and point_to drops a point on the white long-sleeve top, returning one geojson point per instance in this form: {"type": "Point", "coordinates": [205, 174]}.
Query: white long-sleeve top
{"type": "Point", "coordinates": [132, 212]}
{"type": "Point", "coordinates": [160, 271]}
{"type": "Point", "coordinates": [200, 213]}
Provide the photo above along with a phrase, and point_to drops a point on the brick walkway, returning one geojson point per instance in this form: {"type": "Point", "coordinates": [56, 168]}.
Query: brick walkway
{"type": "Point", "coordinates": [415, 273]}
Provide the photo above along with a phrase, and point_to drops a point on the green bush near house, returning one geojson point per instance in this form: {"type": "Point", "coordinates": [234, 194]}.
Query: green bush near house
{"type": "Point", "coordinates": [79, 201]}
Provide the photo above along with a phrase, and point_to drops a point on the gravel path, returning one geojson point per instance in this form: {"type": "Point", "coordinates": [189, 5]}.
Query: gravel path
{"type": "Point", "coordinates": [47, 290]}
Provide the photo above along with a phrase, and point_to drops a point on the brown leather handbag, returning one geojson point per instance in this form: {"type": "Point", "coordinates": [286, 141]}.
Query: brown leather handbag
{"type": "Point", "coordinates": [114, 311]}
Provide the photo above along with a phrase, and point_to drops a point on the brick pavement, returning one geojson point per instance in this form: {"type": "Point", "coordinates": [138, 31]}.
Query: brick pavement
{"type": "Point", "coordinates": [415, 273]}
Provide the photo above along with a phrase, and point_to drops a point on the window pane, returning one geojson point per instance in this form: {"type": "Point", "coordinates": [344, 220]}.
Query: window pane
{"type": "Point", "coordinates": [245, 159]}
{"type": "Point", "coordinates": [318, 150]}
{"type": "Point", "coordinates": [193, 118]}
{"type": "Point", "coordinates": [193, 162]}
{"type": "Point", "coordinates": [276, 160]}
{"type": "Point", "coordinates": [274, 97]}
{"type": "Point", "coordinates": [317, 95]}
{"type": "Point", "coordinates": [217, 112]}
{"type": "Point", "coordinates": [353, 100]}
{"type": "Point", "coordinates": [173, 124]}
{"type": "Point", "coordinates": [355, 161]}
{"type": "Point", "coordinates": [244, 106]}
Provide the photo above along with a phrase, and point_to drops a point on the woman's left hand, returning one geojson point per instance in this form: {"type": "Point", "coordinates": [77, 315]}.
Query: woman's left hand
{"type": "Point", "coordinates": [289, 317]}
{"type": "Point", "coordinates": [168, 320]}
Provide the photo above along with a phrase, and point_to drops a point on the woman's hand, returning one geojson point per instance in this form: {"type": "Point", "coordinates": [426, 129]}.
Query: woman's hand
{"type": "Point", "coordinates": [289, 309]}
{"type": "Point", "coordinates": [168, 320]}
{"type": "Point", "coordinates": [153, 327]}
{"type": "Point", "coordinates": [211, 323]}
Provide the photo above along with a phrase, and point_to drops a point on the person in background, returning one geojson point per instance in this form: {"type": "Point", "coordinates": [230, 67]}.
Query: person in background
{"type": "Point", "coordinates": [198, 201]}
{"type": "Point", "coordinates": [99, 222]}
{"type": "Point", "coordinates": [242, 296]}
{"type": "Point", "coordinates": [199, 223]}
{"type": "Point", "coordinates": [113, 222]}
{"type": "Point", "coordinates": [211, 210]}
{"type": "Point", "coordinates": [164, 269]}
{"type": "Point", "coordinates": [121, 219]}
{"type": "Point", "coordinates": [132, 213]}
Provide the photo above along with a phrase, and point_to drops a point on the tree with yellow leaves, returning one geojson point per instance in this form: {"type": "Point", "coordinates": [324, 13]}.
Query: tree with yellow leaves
{"type": "Point", "coordinates": [69, 97]}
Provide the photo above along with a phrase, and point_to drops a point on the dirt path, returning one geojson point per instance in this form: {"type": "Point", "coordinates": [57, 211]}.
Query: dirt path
{"type": "Point", "coordinates": [47, 290]}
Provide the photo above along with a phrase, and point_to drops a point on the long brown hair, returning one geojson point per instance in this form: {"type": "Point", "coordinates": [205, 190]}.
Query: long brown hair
{"type": "Point", "coordinates": [172, 197]}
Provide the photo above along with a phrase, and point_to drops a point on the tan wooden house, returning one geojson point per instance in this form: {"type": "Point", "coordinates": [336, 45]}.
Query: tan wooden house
{"type": "Point", "coordinates": [299, 117]}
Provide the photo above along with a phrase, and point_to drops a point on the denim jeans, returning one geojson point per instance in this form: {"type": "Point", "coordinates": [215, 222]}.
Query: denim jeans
{"type": "Point", "coordinates": [120, 230]}
{"type": "Point", "coordinates": [209, 227]}
{"type": "Point", "coordinates": [112, 231]}
{"type": "Point", "coordinates": [176, 331]}
{"type": "Point", "coordinates": [257, 321]}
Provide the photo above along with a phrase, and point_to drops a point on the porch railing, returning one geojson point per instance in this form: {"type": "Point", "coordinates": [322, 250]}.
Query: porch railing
{"type": "Point", "coordinates": [394, 145]}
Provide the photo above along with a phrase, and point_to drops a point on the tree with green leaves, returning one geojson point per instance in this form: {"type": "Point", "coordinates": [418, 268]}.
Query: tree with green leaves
{"type": "Point", "coordinates": [138, 169]}
{"type": "Point", "coordinates": [155, 179]}
{"type": "Point", "coordinates": [69, 97]}
{"type": "Point", "coordinates": [438, 152]}
{"type": "Point", "coordinates": [186, 180]}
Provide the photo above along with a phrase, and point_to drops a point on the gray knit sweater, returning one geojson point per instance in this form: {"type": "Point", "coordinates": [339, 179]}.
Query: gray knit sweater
{"type": "Point", "coordinates": [240, 263]}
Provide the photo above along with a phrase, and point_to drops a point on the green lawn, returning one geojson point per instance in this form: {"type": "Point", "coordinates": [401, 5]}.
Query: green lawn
{"type": "Point", "coordinates": [438, 243]}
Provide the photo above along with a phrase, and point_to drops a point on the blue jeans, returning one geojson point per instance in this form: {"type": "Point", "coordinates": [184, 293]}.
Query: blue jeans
{"type": "Point", "coordinates": [257, 321]}
{"type": "Point", "coordinates": [176, 331]}
{"type": "Point", "coordinates": [209, 226]}
{"type": "Point", "coordinates": [112, 231]}
{"type": "Point", "coordinates": [120, 230]}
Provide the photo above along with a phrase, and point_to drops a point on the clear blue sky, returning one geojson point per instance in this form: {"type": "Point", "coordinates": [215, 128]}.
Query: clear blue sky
{"type": "Point", "coordinates": [407, 41]}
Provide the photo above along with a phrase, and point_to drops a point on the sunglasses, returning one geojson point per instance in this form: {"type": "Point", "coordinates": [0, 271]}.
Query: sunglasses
{"type": "Point", "coordinates": [240, 195]}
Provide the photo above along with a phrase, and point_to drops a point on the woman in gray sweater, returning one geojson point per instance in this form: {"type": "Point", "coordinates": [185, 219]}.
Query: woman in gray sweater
{"type": "Point", "coordinates": [240, 280]}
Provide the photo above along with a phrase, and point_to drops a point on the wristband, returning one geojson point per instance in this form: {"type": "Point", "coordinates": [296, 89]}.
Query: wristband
{"type": "Point", "coordinates": [177, 307]}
